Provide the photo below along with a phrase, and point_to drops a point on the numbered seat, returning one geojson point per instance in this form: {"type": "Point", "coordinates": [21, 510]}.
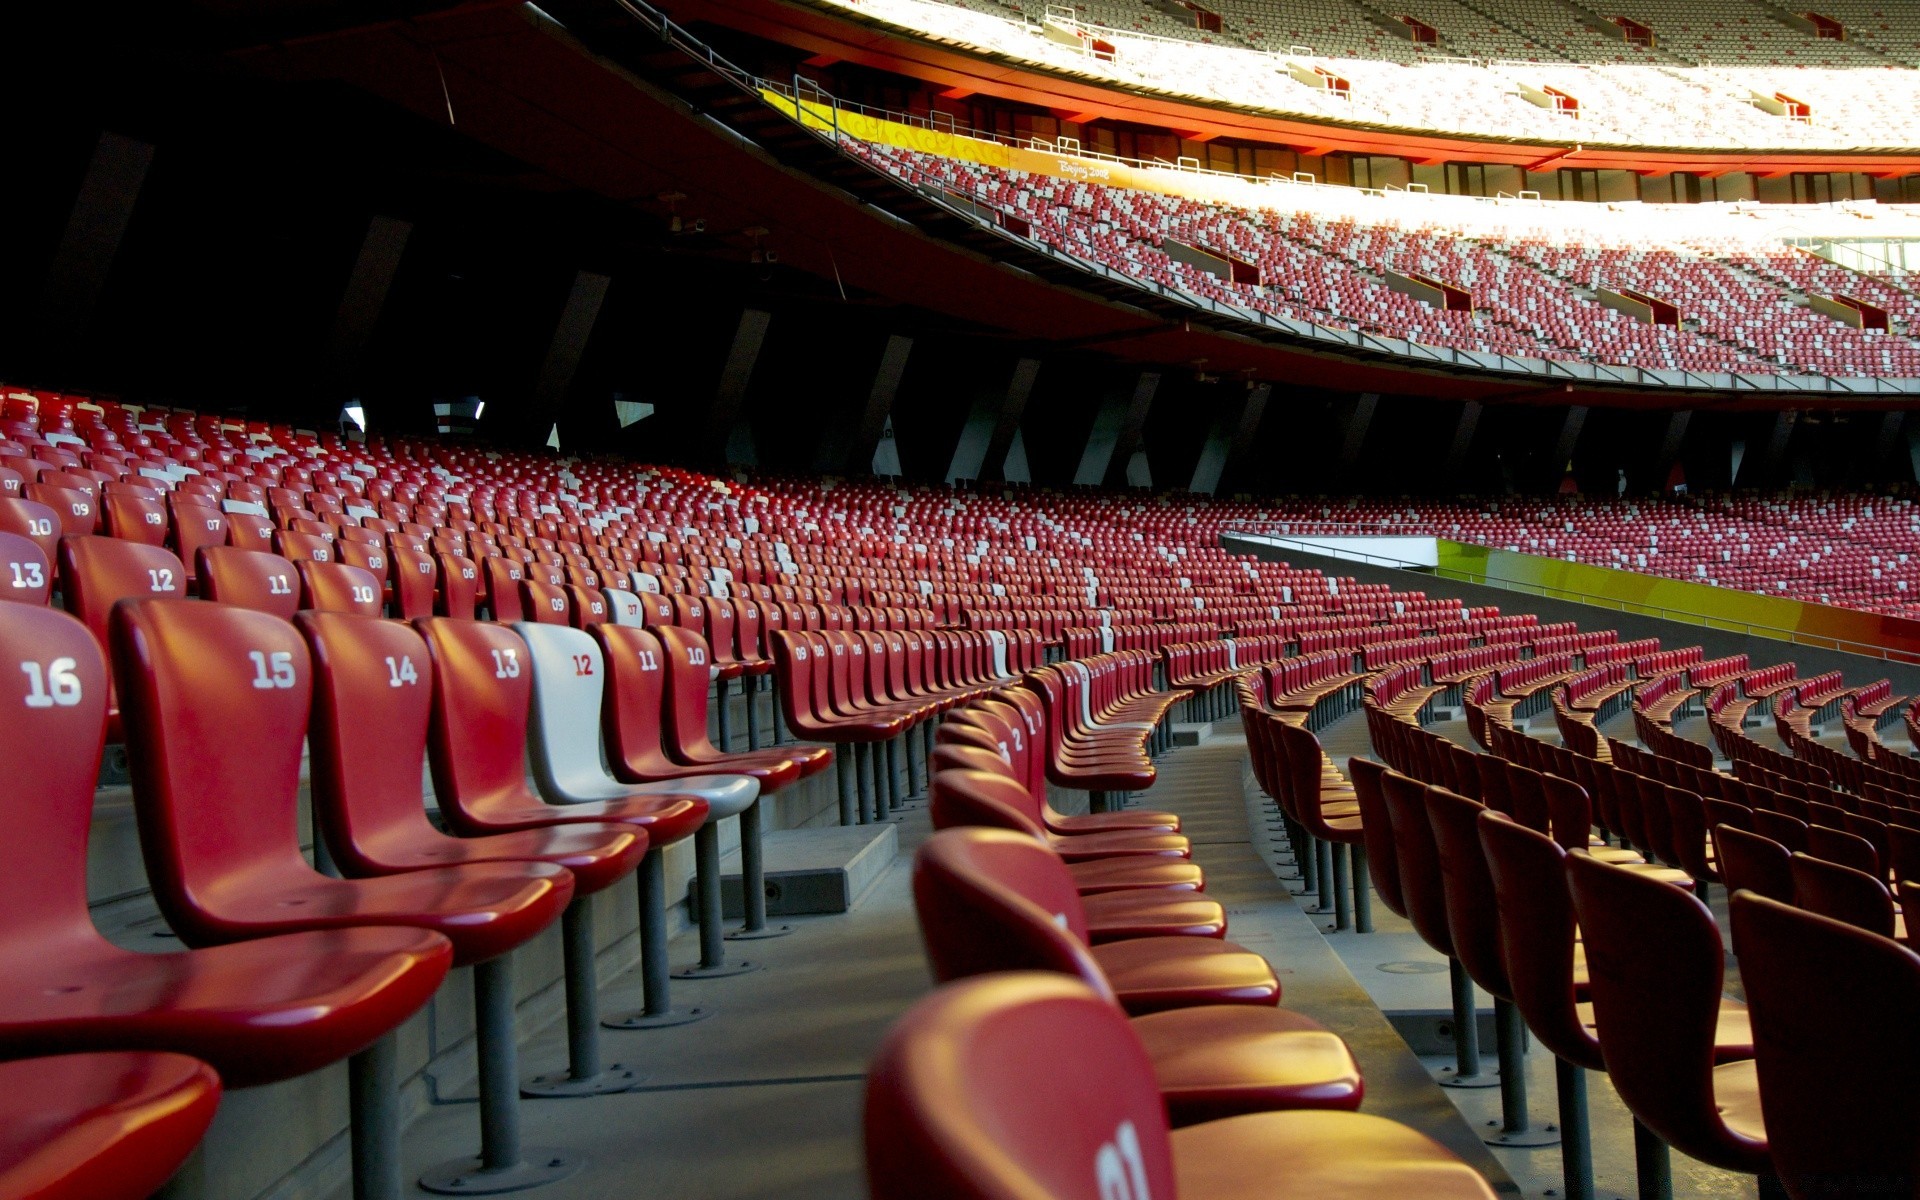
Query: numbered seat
{"type": "Point", "coordinates": [684, 723]}
{"type": "Point", "coordinates": [983, 897]}
{"type": "Point", "coordinates": [249, 579]}
{"type": "Point", "coordinates": [194, 525]}
{"type": "Point", "coordinates": [954, 1109]}
{"type": "Point", "coordinates": [248, 530]}
{"type": "Point", "coordinates": [337, 587]}
{"type": "Point", "coordinates": [257, 1011]}
{"type": "Point", "coordinates": [416, 582]}
{"type": "Point", "coordinates": [373, 705]}
{"type": "Point", "coordinates": [77, 510]}
{"type": "Point", "coordinates": [26, 577]}
{"type": "Point", "coordinates": [457, 594]}
{"type": "Point", "coordinates": [98, 572]}
{"type": "Point", "coordinates": [101, 1126]}
{"type": "Point", "coordinates": [503, 576]}
{"type": "Point", "coordinates": [219, 829]}
{"type": "Point", "coordinates": [991, 900]}
{"type": "Point", "coordinates": [545, 603]}
{"type": "Point", "coordinates": [586, 607]}
{"type": "Point", "coordinates": [34, 521]}
{"type": "Point", "coordinates": [569, 678]}
{"type": "Point", "coordinates": [477, 751]}
{"type": "Point", "coordinates": [296, 546]}
{"type": "Point", "coordinates": [136, 518]}
{"type": "Point", "coordinates": [969, 786]}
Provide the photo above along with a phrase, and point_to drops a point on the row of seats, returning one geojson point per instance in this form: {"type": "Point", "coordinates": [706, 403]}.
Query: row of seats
{"type": "Point", "coordinates": [1696, 86]}
{"type": "Point", "coordinates": [1530, 279]}
{"type": "Point", "coordinates": [1691, 1065]}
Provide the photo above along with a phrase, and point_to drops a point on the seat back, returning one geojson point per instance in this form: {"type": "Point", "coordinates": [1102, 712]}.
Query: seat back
{"type": "Point", "coordinates": [1473, 919]}
{"type": "Point", "coordinates": [632, 713]}
{"type": "Point", "coordinates": [96, 573]}
{"type": "Point", "coordinates": [960, 796]}
{"type": "Point", "coordinates": [458, 591]}
{"type": "Point", "coordinates": [249, 579]}
{"type": "Point", "coordinates": [503, 588]}
{"type": "Point", "coordinates": [1842, 893]}
{"type": "Point", "coordinates": [34, 521]}
{"type": "Point", "coordinates": [1422, 886]}
{"type": "Point", "coordinates": [477, 742]}
{"type": "Point", "coordinates": [77, 511]}
{"type": "Point", "coordinates": [1656, 967]}
{"type": "Point", "coordinates": [545, 603]}
{"type": "Point", "coordinates": [338, 587]}
{"type": "Point", "coordinates": [26, 577]}
{"type": "Point", "coordinates": [54, 677]}
{"type": "Point", "coordinates": [1758, 864]}
{"type": "Point", "coordinates": [372, 703]}
{"type": "Point", "coordinates": [623, 607]}
{"type": "Point", "coordinates": [136, 518]}
{"type": "Point", "coordinates": [956, 1111]}
{"type": "Point", "coordinates": [689, 668]}
{"type": "Point", "coordinates": [215, 700]}
{"type": "Point", "coordinates": [1535, 917]}
{"type": "Point", "coordinates": [569, 675]}
{"type": "Point", "coordinates": [1376, 828]}
{"type": "Point", "coordinates": [1847, 849]}
{"type": "Point", "coordinates": [994, 900]}
{"type": "Point", "coordinates": [1861, 1138]}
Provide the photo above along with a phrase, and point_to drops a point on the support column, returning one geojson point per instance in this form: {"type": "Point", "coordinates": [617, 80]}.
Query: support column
{"type": "Point", "coordinates": [1006, 424]}
{"type": "Point", "coordinates": [95, 228]}
{"type": "Point", "coordinates": [1233, 431]}
{"type": "Point", "coordinates": [725, 441]}
{"type": "Point", "coordinates": [1886, 443]}
{"type": "Point", "coordinates": [1462, 444]}
{"type": "Point", "coordinates": [1568, 440]}
{"type": "Point", "coordinates": [569, 344]}
{"type": "Point", "coordinates": [365, 295]}
{"type": "Point", "coordinates": [1240, 444]}
{"type": "Point", "coordinates": [1097, 455]}
{"type": "Point", "coordinates": [1766, 468]}
{"type": "Point", "coordinates": [1355, 418]}
{"type": "Point", "coordinates": [854, 452]}
{"type": "Point", "coordinates": [1669, 449]}
{"type": "Point", "coordinates": [1132, 425]}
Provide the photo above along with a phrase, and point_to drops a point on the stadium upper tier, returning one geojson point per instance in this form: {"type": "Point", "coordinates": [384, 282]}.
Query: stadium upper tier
{"type": "Point", "coordinates": [1720, 74]}
{"type": "Point", "coordinates": [1853, 551]}
{"type": "Point", "coordinates": [1541, 282]}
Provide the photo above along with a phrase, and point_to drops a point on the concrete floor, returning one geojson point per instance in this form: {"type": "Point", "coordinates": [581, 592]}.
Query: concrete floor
{"type": "Point", "coordinates": [764, 1099]}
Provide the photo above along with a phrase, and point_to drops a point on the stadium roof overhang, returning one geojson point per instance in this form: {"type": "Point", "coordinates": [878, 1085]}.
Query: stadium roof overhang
{"type": "Point", "coordinates": [838, 35]}
{"type": "Point", "coordinates": [507, 76]}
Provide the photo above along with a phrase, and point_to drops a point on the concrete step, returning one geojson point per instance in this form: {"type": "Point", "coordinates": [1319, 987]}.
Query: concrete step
{"type": "Point", "coordinates": [811, 871]}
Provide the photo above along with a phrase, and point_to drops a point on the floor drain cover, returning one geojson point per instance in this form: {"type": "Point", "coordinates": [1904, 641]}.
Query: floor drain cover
{"type": "Point", "coordinates": [1413, 968]}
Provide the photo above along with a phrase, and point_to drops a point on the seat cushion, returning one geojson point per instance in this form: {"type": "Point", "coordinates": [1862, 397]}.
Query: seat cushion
{"type": "Point", "coordinates": [1117, 916]}
{"type": "Point", "coordinates": [1323, 1155]}
{"type": "Point", "coordinates": [1222, 1060]}
{"type": "Point", "coordinates": [1096, 875]}
{"type": "Point", "coordinates": [1152, 974]}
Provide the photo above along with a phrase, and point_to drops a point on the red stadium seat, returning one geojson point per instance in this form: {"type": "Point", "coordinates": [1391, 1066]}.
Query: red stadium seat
{"type": "Point", "coordinates": [258, 1011]}
{"type": "Point", "coordinates": [954, 1110]}
{"type": "Point", "coordinates": [26, 577]}
{"type": "Point", "coordinates": [249, 579]}
{"type": "Point", "coordinates": [101, 1126]}
{"type": "Point", "coordinates": [224, 810]}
